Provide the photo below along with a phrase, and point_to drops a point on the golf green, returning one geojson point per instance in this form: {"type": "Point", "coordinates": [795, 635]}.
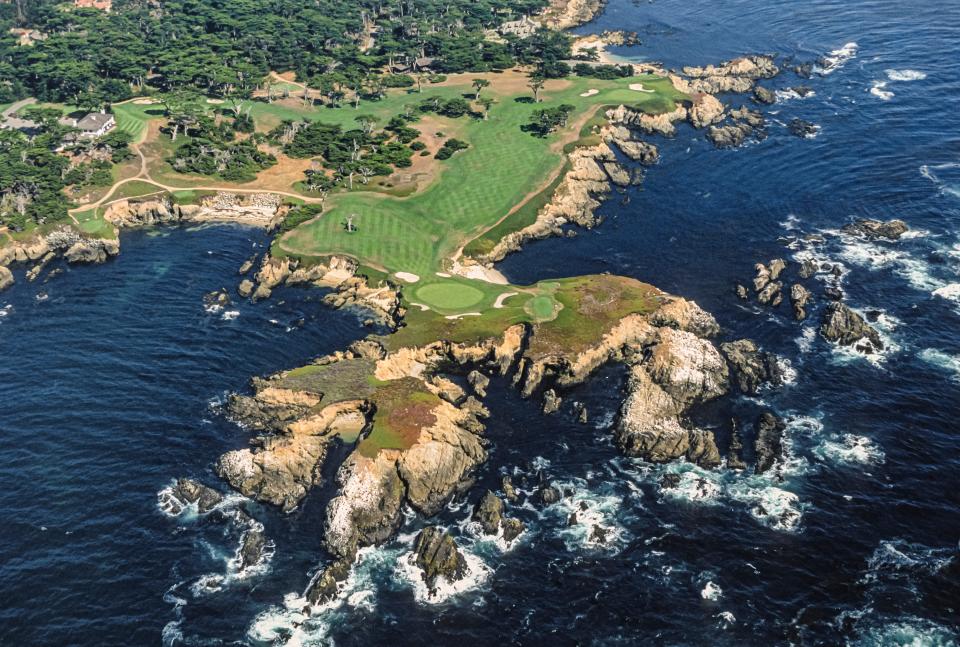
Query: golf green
{"type": "Point", "coordinates": [449, 296]}
{"type": "Point", "coordinates": [541, 308]}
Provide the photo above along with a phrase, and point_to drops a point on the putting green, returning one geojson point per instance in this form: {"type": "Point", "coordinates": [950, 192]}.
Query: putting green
{"type": "Point", "coordinates": [449, 296]}
{"type": "Point", "coordinates": [542, 308]}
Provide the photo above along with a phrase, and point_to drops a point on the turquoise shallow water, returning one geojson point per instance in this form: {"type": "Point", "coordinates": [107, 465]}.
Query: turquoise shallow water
{"type": "Point", "coordinates": [110, 388]}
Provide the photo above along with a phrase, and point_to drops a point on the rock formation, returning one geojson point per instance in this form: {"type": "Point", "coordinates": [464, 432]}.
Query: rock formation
{"type": "Point", "coordinates": [768, 443]}
{"type": "Point", "coordinates": [751, 366]}
{"type": "Point", "coordinates": [842, 325]}
{"type": "Point", "coordinates": [890, 229]}
{"type": "Point", "coordinates": [6, 278]}
{"type": "Point", "coordinates": [436, 553]}
{"type": "Point", "coordinates": [187, 491]}
{"type": "Point", "coordinates": [799, 298]}
{"type": "Point", "coordinates": [737, 75]}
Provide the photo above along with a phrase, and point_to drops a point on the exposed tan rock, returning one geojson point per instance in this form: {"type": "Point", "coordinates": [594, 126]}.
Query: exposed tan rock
{"type": "Point", "coordinates": [705, 110]}
{"type": "Point", "coordinates": [6, 278]}
{"type": "Point", "coordinates": [283, 468]}
{"type": "Point", "coordinates": [564, 14]}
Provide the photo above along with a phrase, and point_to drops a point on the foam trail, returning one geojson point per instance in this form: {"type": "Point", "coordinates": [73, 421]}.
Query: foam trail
{"type": "Point", "coordinates": [837, 58]}
{"type": "Point", "coordinates": [942, 360]}
{"type": "Point", "coordinates": [906, 75]}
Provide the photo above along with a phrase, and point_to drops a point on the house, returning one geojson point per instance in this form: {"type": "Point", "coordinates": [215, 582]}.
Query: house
{"type": "Point", "coordinates": [423, 63]}
{"type": "Point", "coordinates": [92, 125]}
{"type": "Point", "coordinates": [27, 37]}
{"type": "Point", "coordinates": [523, 28]}
{"type": "Point", "coordinates": [102, 5]}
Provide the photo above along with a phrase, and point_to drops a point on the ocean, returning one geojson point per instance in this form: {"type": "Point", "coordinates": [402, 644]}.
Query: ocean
{"type": "Point", "coordinates": [113, 375]}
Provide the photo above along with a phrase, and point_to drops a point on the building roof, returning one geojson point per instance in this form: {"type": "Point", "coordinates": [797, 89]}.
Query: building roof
{"type": "Point", "coordinates": [94, 122]}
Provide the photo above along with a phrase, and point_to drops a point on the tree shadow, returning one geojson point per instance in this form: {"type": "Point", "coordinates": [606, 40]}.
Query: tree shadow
{"type": "Point", "coordinates": [524, 100]}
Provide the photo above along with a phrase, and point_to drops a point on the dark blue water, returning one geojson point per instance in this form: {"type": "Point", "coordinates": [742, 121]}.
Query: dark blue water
{"type": "Point", "coordinates": [109, 386]}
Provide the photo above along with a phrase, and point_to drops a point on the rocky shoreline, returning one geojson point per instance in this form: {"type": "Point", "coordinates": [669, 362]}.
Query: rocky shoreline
{"type": "Point", "coordinates": [73, 246]}
{"type": "Point", "coordinates": [414, 418]}
{"type": "Point", "coordinates": [594, 172]}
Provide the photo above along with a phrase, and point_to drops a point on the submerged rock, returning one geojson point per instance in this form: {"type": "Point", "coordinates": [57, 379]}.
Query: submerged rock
{"type": "Point", "coordinates": [801, 128]}
{"type": "Point", "coordinates": [436, 553]}
{"type": "Point", "coordinates": [890, 229]}
{"type": "Point", "coordinates": [742, 293]}
{"type": "Point", "coordinates": [751, 366]}
{"type": "Point", "coordinates": [218, 298]}
{"type": "Point", "coordinates": [768, 443]}
{"type": "Point", "coordinates": [846, 327]}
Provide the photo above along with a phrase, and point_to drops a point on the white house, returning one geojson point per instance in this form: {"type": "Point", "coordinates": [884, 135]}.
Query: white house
{"type": "Point", "coordinates": [94, 124]}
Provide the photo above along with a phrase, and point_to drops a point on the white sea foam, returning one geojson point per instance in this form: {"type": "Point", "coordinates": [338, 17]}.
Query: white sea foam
{"type": "Point", "coordinates": [477, 573]}
{"type": "Point", "coordinates": [942, 360]}
{"type": "Point", "coordinates": [711, 592]}
{"type": "Point", "coordinates": [727, 619]}
{"type": "Point", "coordinates": [597, 526]}
{"type": "Point", "coordinates": [906, 75]}
{"type": "Point", "coordinates": [788, 374]}
{"type": "Point", "coordinates": [230, 315]}
{"type": "Point", "coordinates": [901, 560]}
{"type": "Point", "coordinates": [945, 187]}
{"type": "Point", "coordinates": [879, 90]}
{"type": "Point", "coordinates": [837, 59]}
{"type": "Point", "coordinates": [696, 485]}
{"type": "Point", "coordinates": [808, 335]}
{"type": "Point", "coordinates": [850, 449]}
{"type": "Point", "coordinates": [772, 506]}
{"type": "Point", "coordinates": [790, 94]}
{"type": "Point", "coordinates": [907, 632]}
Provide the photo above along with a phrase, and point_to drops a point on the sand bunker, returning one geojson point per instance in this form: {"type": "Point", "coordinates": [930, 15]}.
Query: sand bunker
{"type": "Point", "coordinates": [638, 87]}
{"type": "Point", "coordinates": [590, 92]}
{"type": "Point", "coordinates": [503, 297]}
{"type": "Point", "coordinates": [407, 276]}
{"type": "Point", "coordinates": [465, 314]}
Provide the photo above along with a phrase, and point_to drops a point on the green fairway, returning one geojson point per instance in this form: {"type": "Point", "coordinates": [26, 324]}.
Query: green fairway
{"type": "Point", "coordinates": [478, 187]}
{"type": "Point", "coordinates": [449, 295]}
{"type": "Point", "coordinates": [132, 118]}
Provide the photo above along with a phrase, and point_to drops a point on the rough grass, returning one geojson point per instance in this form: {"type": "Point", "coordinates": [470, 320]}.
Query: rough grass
{"type": "Point", "coordinates": [567, 315]}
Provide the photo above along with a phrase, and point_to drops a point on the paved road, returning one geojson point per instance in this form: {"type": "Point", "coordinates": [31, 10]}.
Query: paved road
{"type": "Point", "coordinates": [15, 108]}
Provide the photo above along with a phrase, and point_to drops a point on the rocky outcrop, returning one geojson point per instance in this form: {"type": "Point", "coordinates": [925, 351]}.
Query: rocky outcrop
{"type": "Point", "coordinates": [146, 213]}
{"type": "Point", "coordinates": [752, 367]}
{"type": "Point", "coordinates": [743, 124]}
{"type": "Point", "coordinates": [658, 124]}
{"type": "Point", "coordinates": [436, 553]}
{"type": "Point", "coordinates": [280, 469]}
{"type": "Point", "coordinates": [92, 250]}
{"type": "Point", "coordinates": [489, 513]}
{"type": "Point", "coordinates": [705, 109]}
{"type": "Point", "coordinates": [565, 14]}
{"type": "Point", "coordinates": [765, 283]}
{"type": "Point", "coordinates": [768, 444]}
{"type": "Point", "coordinates": [842, 325]}
{"type": "Point", "coordinates": [737, 75]}
{"type": "Point", "coordinates": [764, 95]}
{"type": "Point", "coordinates": [326, 584]}
{"type": "Point", "coordinates": [636, 149]}
{"type": "Point", "coordinates": [187, 491]}
{"type": "Point", "coordinates": [251, 547]}
{"type": "Point", "coordinates": [735, 452]}
{"type": "Point", "coordinates": [799, 298]}
{"type": "Point", "coordinates": [890, 229]}
{"type": "Point", "coordinates": [6, 278]}
{"type": "Point", "coordinates": [678, 371]}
